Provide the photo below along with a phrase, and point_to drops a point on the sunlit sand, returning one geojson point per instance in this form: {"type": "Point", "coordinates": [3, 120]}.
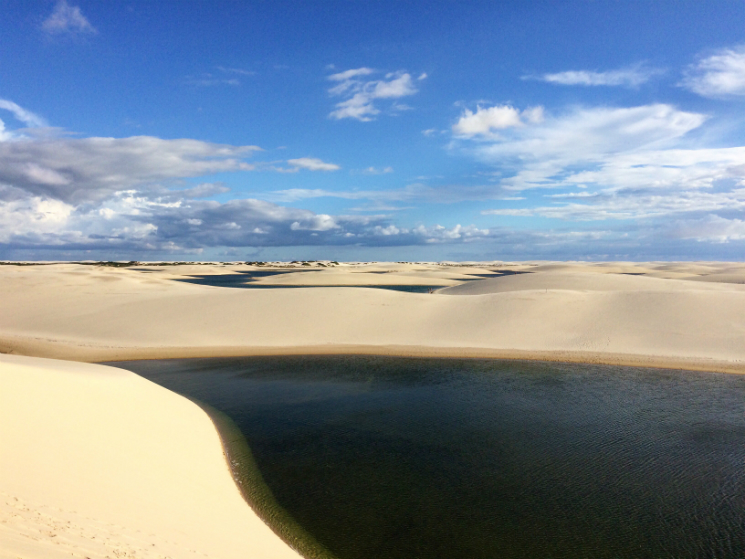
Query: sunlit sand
{"type": "Point", "coordinates": [95, 461]}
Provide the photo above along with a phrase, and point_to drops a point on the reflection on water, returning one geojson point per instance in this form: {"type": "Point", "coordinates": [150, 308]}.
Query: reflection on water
{"type": "Point", "coordinates": [433, 458]}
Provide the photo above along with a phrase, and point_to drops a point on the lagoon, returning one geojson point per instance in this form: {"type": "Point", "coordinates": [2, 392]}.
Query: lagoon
{"type": "Point", "coordinates": [443, 458]}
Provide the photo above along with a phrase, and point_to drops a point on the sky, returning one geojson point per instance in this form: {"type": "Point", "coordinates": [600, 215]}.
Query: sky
{"type": "Point", "coordinates": [372, 130]}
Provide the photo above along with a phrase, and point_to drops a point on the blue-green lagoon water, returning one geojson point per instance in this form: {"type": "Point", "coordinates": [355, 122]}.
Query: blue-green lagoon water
{"type": "Point", "coordinates": [381, 457]}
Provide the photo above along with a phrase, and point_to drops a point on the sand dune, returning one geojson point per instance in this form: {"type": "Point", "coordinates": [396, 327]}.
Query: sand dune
{"type": "Point", "coordinates": [597, 312]}
{"type": "Point", "coordinates": [581, 282]}
{"type": "Point", "coordinates": [98, 462]}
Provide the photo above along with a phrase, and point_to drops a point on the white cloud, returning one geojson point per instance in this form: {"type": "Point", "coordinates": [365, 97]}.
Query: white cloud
{"type": "Point", "coordinates": [238, 71]}
{"type": "Point", "coordinates": [635, 205]}
{"type": "Point", "coordinates": [712, 228]}
{"type": "Point", "coordinates": [544, 154]}
{"type": "Point", "coordinates": [23, 115]}
{"type": "Point", "coordinates": [377, 171]}
{"type": "Point", "coordinates": [320, 222]}
{"type": "Point", "coordinates": [32, 216]}
{"type": "Point", "coordinates": [628, 163]}
{"type": "Point", "coordinates": [67, 19]}
{"type": "Point", "coordinates": [313, 164]}
{"type": "Point", "coordinates": [445, 194]}
{"type": "Point", "coordinates": [485, 120]}
{"type": "Point", "coordinates": [135, 221]}
{"type": "Point", "coordinates": [209, 80]}
{"type": "Point", "coordinates": [719, 75]}
{"type": "Point", "coordinates": [632, 76]}
{"type": "Point", "coordinates": [349, 74]}
{"type": "Point", "coordinates": [90, 169]}
{"type": "Point", "coordinates": [360, 95]}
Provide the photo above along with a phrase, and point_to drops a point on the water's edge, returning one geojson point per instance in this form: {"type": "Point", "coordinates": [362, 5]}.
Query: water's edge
{"type": "Point", "coordinates": [255, 491]}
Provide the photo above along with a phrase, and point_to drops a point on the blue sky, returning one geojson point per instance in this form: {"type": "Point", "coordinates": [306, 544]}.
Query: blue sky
{"type": "Point", "coordinates": [372, 130]}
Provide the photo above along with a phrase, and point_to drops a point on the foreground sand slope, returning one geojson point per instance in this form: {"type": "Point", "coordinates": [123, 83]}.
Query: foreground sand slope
{"type": "Point", "coordinates": [98, 462]}
{"type": "Point", "coordinates": [582, 312]}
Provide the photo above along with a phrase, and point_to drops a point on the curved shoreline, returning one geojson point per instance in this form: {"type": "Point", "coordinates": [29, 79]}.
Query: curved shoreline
{"type": "Point", "coordinates": [254, 489]}
{"type": "Point", "coordinates": [137, 470]}
{"type": "Point", "coordinates": [92, 353]}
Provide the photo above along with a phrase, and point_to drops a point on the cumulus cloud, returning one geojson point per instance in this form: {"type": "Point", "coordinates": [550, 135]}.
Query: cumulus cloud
{"type": "Point", "coordinates": [66, 19]}
{"type": "Point", "coordinates": [313, 164]}
{"type": "Point", "coordinates": [91, 169]}
{"type": "Point", "coordinates": [485, 120]}
{"type": "Point", "coordinates": [720, 75]}
{"type": "Point", "coordinates": [712, 228]}
{"type": "Point", "coordinates": [632, 76]}
{"type": "Point", "coordinates": [360, 95]}
{"type": "Point", "coordinates": [129, 220]}
{"type": "Point", "coordinates": [129, 194]}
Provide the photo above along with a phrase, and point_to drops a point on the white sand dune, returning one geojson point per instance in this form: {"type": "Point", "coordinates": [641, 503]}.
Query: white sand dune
{"type": "Point", "coordinates": [96, 462]}
{"type": "Point", "coordinates": [99, 462]}
{"type": "Point", "coordinates": [591, 312]}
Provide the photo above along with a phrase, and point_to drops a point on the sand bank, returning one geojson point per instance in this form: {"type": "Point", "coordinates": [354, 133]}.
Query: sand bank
{"type": "Point", "coordinates": [98, 462]}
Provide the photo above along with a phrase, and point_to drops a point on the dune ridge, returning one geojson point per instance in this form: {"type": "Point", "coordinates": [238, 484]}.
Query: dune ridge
{"type": "Point", "coordinates": [615, 312]}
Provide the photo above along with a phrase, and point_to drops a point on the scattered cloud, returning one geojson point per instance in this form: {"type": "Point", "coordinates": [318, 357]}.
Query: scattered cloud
{"type": "Point", "coordinates": [485, 120]}
{"type": "Point", "coordinates": [445, 194]}
{"type": "Point", "coordinates": [66, 19]}
{"type": "Point", "coordinates": [631, 76]}
{"type": "Point", "coordinates": [635, 205]}
{"type": "Point", "coordinates": [559, 150]}
{"type": "Point", "coordinates": [721, 74]}
{"type": "Point", "coordinates": [613, 164]}
{"type": "Point", "coordinates": [360, 95]}
{"type": "Point", "coordinates": [208, 80]}
{"type": "Point", "coordinates": [238, 71]}
{"type": "Point", "coordinates": [711, 228]}
{"type": "Point", "coordinates": [348, 75]}
{"type": "Point", "coordinates": [21, 114]}
{"type": "Point", "coordinates": [313, 164]}
{"type": "Point", "coordinates": [377, 171]}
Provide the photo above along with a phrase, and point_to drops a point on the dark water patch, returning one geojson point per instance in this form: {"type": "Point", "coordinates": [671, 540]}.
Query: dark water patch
{"type": "Point", "coordinates": [238, 279]}
{"type": "Point", "coordinates": [498, 274]}
{"type": "Point", "coordinates": [243, 283]}
{"type": "Point", "coordinates": [254, 489]}
{"type": "Point", "coordinates": [434, 458]}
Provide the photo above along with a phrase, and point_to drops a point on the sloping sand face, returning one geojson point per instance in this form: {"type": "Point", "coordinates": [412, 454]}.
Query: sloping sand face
{"type": "Point", "coordinates": [613, 313]}
{"type": "Point", "coordinates": [98, 462]}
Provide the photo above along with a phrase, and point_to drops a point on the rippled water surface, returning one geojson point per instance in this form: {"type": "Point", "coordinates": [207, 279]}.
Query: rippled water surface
{"type": "Point", "coordinates": [434, 458]}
